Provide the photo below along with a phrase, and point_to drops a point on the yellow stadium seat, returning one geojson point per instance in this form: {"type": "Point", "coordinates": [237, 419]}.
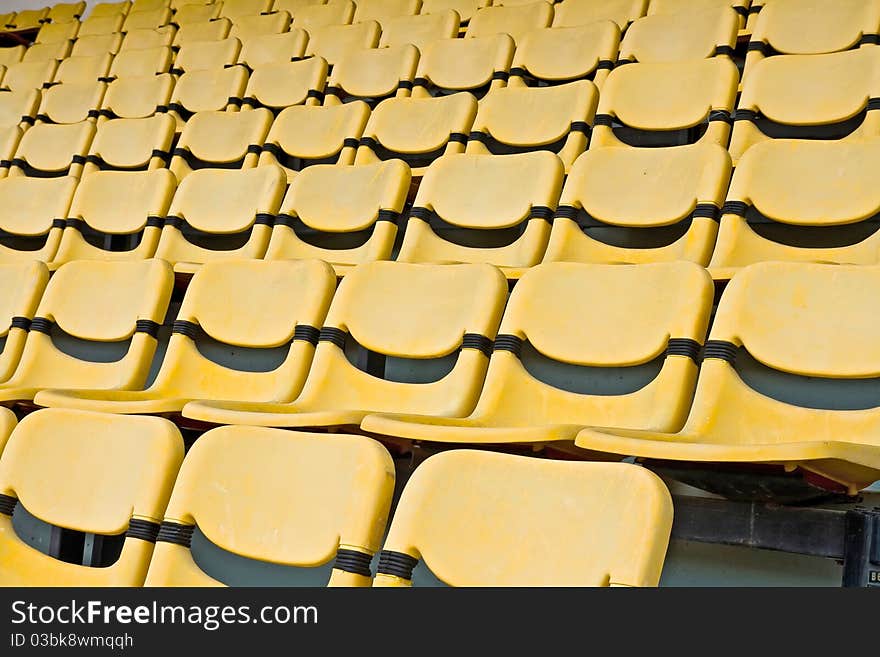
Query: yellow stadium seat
{"type": "Point", "coordinates": [277, 86]}
{"type": "Point", "coordinates": [549, 374]}
{"type": "Point", "coordinates": [387, 346]}
{"type": "Point", "coordinates": [27, 76]}
{"type": "Point", "coordinates": [30, 19]}
{"type": "Point", "coordinates": [741, 7]}
{"type": "Point", "coordinates": [515, 21]}
{"type": "Point", "coordinates": [95, 25]}
{"type": "Point", "coordinates": [828, 96]}
{"type": "Point", "coordinates": [811, 323]}
{"type": "Point", "coordinates": [197, 13]}
{"type": "Point", "coordinates": [238, 8]}
{"type": "Point", "coordinates": [335, 12]}
{"type": "Point", "coordinates": [125, 469]}
{"type": "Point", "coordinates": [7, 21]}
{"type": "Point", "coordinates": [667, 104]}
{"type": "Point", "coordinates": [219, 214]}
{"type": "Point", "coordinates": [202, 32]}
{"type": "Point", "coordinates": [251, 27]}
{"type": "Point", "coordinates": [380, 10]}
{"type": "Point", "coordinates": [141, 63]}
{"type": "Point", "coordinates": [334, 42]}
{"type": "Point", "coordinates": [146, 20]}
{"type": "Point", "coordinates": [417, 130]}
{"type": "Point", "coordinates": [72, 102]}
{"type": "Point", "coordinates": [342, 215]}
{"type": "Point", "coordinates": [474, 65]}
{"type": "Point", "coordinates": [18, 108]}
{"type": "Point", "coordinates": [807, 27]}
{"type": "Point", "coordinates": [69, 12]}
{"type": "Point", "coordinates": [138, 144]}
{"type": "Point", "coordinates": [46, 52]}
{"type": "Point", "coordinates": [276, 307]}
{"type": "Point", "coordinates": [137, 39]}
{"type": "Point", "coordinates": [554, 55]}
{"type": "Point", "coordinates": [109, 9]}
{"type": "Point", "coordinates": [800, 200]}
{"type": "Point", "coordinates": [581, 12]}
{"type": "Point", "coordinates": [118, 304]}
{"type": "Point", "coordinates": [305, 135]}
{"type": "Point", "coordinates": [83, 70]}
{"type": "Point", "coordinates": [221, 140]}
{"type": "Point", "coordinates": [484, 208]}
{"type": "Point", "coordinates": [116, 215]}
{"type": "Point", "coordinates": [10, 136]}
{"type": "Point", "coordinates": [635, 205]}
{"type": "Point", "coordinates": [201, 91]}
{"type": "Point", "coordinates": [697, 34]}
{"type": "Point", "coordinates": [10, 55]}
{"type": "Point", "coordinates": [177, 5]}
{"type": "Point", "coordinates": [372, 75]}
{"type": "Point", "coordinates": [525, 119]}
{"type": "Point", "coordinates": [273, 49]}
{"type": "Point", "coordinates": [419, 31]}
{"type": "Point", "coordinates": [465, 8]}
{"type": "Point", "coordinates": [342, 487]}
{"type": "Point", "coordinates": [97, 44]}
{"type": "Point", "coordinates": [206, 55]}
{"type": "Point", "coordinates": [53, 150]}
{"type": "Point", "coordinates": [57, 32]}
{"type": "Point", "coordinates": [137, 97]}
{"type": "Point", "coordinates": [292, 7]}
{"type": "Point", "coordinates": [22, 287]}
{"type": "Point", "coordinates": [150, 5]}
{"type": "Point", "coordinates": [32, 217]}
{"type": "Point", "coordinates": [482, 519]}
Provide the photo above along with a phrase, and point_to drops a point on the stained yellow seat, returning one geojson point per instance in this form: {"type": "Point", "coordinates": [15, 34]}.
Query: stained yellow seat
{"type": "Point", "coordinates": [475, 65]}
{"type": "Point", "coordinates": [548, 375]}
{"type": "Point", "coordinates": [215, 30]}
{"type": "Point", "coordinates": [667, 103]}
{"type": "Point", "coordinates": [335, 12]}
{"type": "Point", "coordinates": [372, 75]}
{"type": "Point", "coordinates": [811, 323]}
{"type": "Point", "coordinates": [146, 20]}
{"type": "Point", "coordinates": [334, 42]}
{"type": "Point", "coordinates": [635, 205]}
{"type": "Point", "coordinates": [29, 75]}
{"type": "Point", "coordinates": [137, 39]}
{"type": "Point", "coordinates": [57, 32]}
{"type": "Point", "coordinates": [305, 135]}
{"type": "Point", "coordinates": [21, 286]}
{"type": "Point", "coordinates": [238, 8]}
{"type": "Point", "coordinates": [277, 86]}
{"type": "Point", "coordinates": [223, 140]}
{"type": "Point", "coordinates": [125, 468]}
{"type": "Point", "coordinates": [798, 200]}
{"type": "Point", "coordinates": [809, 97]}
{"type": "Point", "coordinates": [269, 306]}
{"type": "Point", "coordinates": [206, 55]}
{"type": "Point", "coordinates": [11, 55]}
{"type": "Point", "coordinates": [557, 119]}
{"type": "Point", "coordinates": [48, 150]}
{"type": "Point", "coordinates": [221, 214]}
{"type": "Point", "coordinates": [420, 30]}
{"type": "Point", "coordinates": [553, 55]}
{"type": "Point", "coordinates": [212, 90]}
{"type": "Point", "coordinates": [197, 13]}
{"type": "Point", "coordinates": [131, 145]}
{"type": "Point", "coordinates": [697, 34]}
{"type": "Point", "coordinates": [32, 217]}
{"type": "Point", "coordinates": [484, 208]}
{"type": "Point", "coordinates": [18, 108]}
{"type": "Point", "coordinates": [390, 346]}
{"type": "Point", "coordinates": [137, 97]}
{"type": "Point", "coordinates": [72, 102]}
{"type": "Point", "coordinates": [484, 519]}
{"type": "Point", "coordinates": [380, 10]}
{"type": "Point", "coordinates": [94, 303]}
{"type": "Point", "coordinates": [343, 215]}
{"type": "Point", "coordinates": [96, 24]}
{"type": "Point", "coordinates": [105, 9]}
{"type": "Point", "coordinates": [44, 52]}
{"type": "Point", "coordinates": [260, 51]}
{"type": "Point", "coordinates": [515, 21]}
{"type": "Point", "coordinates": [97, 44]}
{"type": "Point", "coordinates": [69, 12]}
{"type": "Point", "coordinates": [82, 70]}
{"type": "Point", "coordinates": [417, 130]}
{"type": "Point", "coordinates": [581, 12]}
{"type": "Point", "coordinates": [116, 215]}
{"type": "Point", "coordinates": [317, 497]}
{"type": "Point", "coordinates": [465, 8]}
{"type": "Point", "coordinates": [245, 28]}
{"type": "Point", "coordinates": [141, 63]}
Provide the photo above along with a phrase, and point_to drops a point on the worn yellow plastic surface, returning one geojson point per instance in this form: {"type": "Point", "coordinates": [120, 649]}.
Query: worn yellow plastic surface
{"type": "Point", "coordinates": [130, 143]}
{"type": "Point", "coordinates": [484, 519]}
{"type": "Point", "coordinates": [51, 148]}
{"type": "Point", "coordinates": [537, 118]}
{"type": "Point", "coordinates": [316, 133]}
{"type": "Point", "coordinates": [215, 30]}
{"type": "Point", "coordinates": [250, 27]}
{"type": "Point", "coordinates": [208, 55]}
{"type": "Point", "coordinates": [420, 30]}
{"type": "Point", "coordinates": [142, 63]}
{"type": "Point", "coordinates": [197, 13]}
{"type": "Point", "coordinates": [97, 44]}
{"type": "Point", "coordinates": [260, 51]}
{"type": "Point", "coordinates": [676, 37]}
{"type": "Point", "coordinates": [138, 98]}
{"type": "Point", "coordinates": [29, 75]}
{"type": "Point", "coordinates": [336, 12]}
{"type": "Point", "coordinates": [57, 32]}
{"type": "Point", "coordinates": [334, 42]}
{"type": "Point", "coordinates": [237, 8]}
{"type": "Point", "coordinates": [515, 21]}
{"type": "Point", "coordinates": [284, 84]}
{"type": "Point", "coordinates": [655, 96]}
{"type": "Point", "coordinates": [104, 9]}
{"type": "Point", "coordinates": [21, 286]}
{"type": "Point", "coordinates": [464, 64]}
{"type": "Point", "coordinates": [373, 73]}
{"type": "Point", "coordinates": [136, 39]}
{"type": "Point", "coordinates": [143, 20]}
{"type": "Point", "coordinates": [68, 12]}
{"type": "Point", "coordinates": [263, 302]}
{"type": "Point", "coordinates": [336, 200]}
{"type": "Point", "coordinates": [129, 291]}
{"type": "Point", "coordinates": [582, 12]}
{"type": "Point", "coordinates": [96, 25]}
{"type": "Point", "coordinates": [72, 102]}
{"type": "Point", "coordinates": [764, 309]}
{"type": "Point", "coordinates": [642, 188]}
{"type": "Point", "coordinates": [199, 91]}
{"type": "Point", "coordinates": [384, 308]}
{"type": "Point", "coordinates": [280, 497]}
{"type": "Point", "coordinates": [44, 52]}
{"type": "Point", "coordinates": [89, 472]}
{"type": "Point", "coordinates": [30, 18]}
{"type": "Point", "coordinates": [672, 300]}
{"type": "Point", "coordinates": [485, 192]}
{"type": "Point", "coordinates": [17, 106]}
{"type": "Point", "coordinates": [29, 206]}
